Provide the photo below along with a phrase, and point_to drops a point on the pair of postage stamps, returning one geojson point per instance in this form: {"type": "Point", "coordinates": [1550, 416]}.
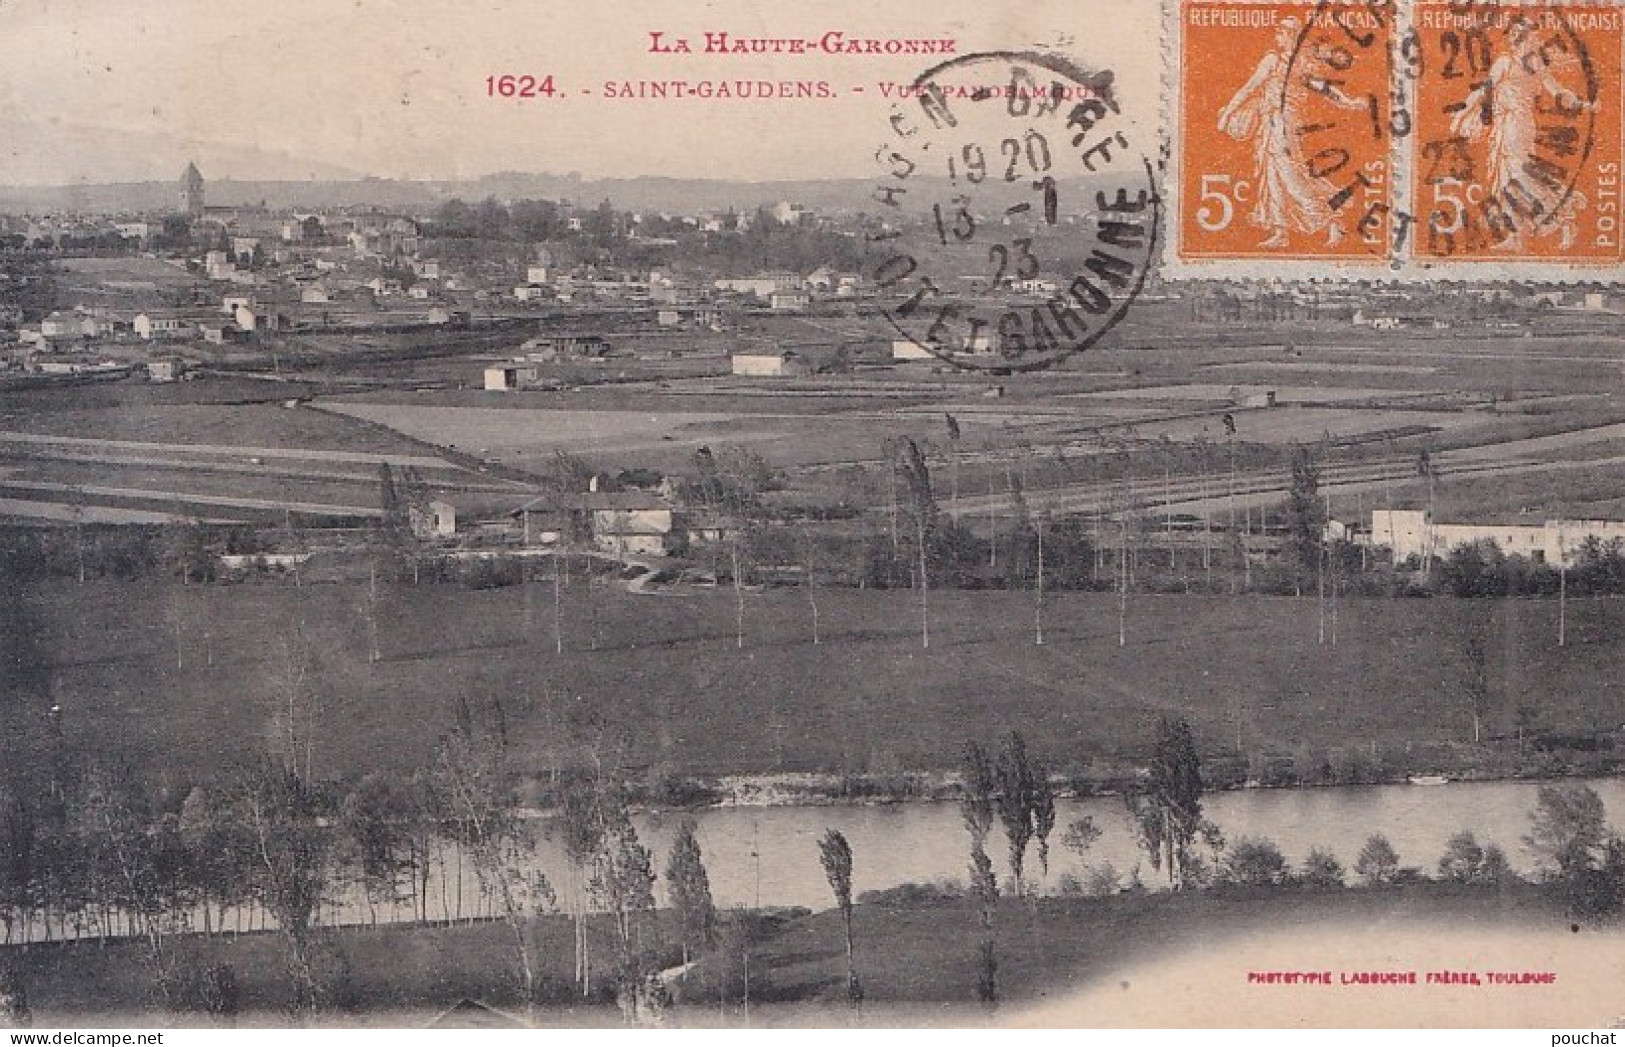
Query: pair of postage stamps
{"type": "Point", "coordinates": [1023, 209]}
{"type": "Point", "coordinates": [1397, 135]}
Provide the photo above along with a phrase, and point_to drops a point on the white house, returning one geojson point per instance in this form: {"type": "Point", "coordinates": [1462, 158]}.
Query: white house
{"type": "Point", "coordinates": [643, 530]}
{"type": "Point", "coordinates": [61, 325]}
{"type": "Point", "coordinates": [164, 369]}
{"type": "Point", "coordinates": [1413, 532]}
{"type": "Point", "coordinates": [149, 327]}
{"type": "Point", "coordinates": [788, 301]}
{"type": "Point", "coordinates": [770, 365]}
{"type": "Point", "coordinates": [436, 520]}
{"type": "Point", "coordinates": [907, 349]}
{"type": "Point", "coordinates": [509, 377]}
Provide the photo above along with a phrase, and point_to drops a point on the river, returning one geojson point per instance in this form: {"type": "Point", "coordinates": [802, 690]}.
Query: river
{"type": "Point", "coordinates": [769, 855]}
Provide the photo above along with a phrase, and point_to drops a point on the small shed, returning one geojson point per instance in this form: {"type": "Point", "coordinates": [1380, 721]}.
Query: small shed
{"type": "Point", "coordinates": [510, 377]}
{"type": "Point", "coordinates": [770, 365]}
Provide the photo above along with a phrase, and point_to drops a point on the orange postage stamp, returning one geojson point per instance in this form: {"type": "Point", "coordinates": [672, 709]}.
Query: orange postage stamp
{"type": "Point", "coordinates": [1517, 153]}
{"type": "Point", "coordinates": [1286, 116]}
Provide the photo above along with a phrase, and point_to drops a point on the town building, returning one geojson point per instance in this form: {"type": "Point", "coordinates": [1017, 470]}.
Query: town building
{"type": "Point", "coordinates": [148, 326]}
{"type": "Point", "coordinates": [788, 301]}
{"type": "Point", "coordinates": [760, 286]}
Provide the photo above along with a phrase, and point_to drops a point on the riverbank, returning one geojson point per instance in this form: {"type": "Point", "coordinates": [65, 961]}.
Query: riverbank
{"type": "Point", "coordinates": [914, 957]}
{"type": "Point", "coordinates": [831, 790]}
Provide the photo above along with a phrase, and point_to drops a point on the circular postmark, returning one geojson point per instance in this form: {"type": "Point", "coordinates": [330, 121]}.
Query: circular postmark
{"type": "Point", "coordinates": [1018, 220]}
{"type": "Point", "coordinates": [1498, 100]}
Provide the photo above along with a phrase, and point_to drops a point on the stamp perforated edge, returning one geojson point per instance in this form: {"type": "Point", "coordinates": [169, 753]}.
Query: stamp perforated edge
{"type": "Point", "coordinates": [1406, 269]}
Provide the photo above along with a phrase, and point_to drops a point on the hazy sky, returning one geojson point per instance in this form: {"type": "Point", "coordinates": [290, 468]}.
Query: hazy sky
{"type": "Point", "coordinates": [114, 90]}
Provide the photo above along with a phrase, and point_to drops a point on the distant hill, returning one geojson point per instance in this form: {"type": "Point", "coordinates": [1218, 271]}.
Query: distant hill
{"type": "Point", "coordinates": [637, 194]}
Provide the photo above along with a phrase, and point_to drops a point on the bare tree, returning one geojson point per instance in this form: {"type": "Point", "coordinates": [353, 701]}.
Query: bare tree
{"type": "Point", "coordinates": [810, 580]}
{"type": "Point", "coordinates": [292, 868]}
{"type": "Point", "coordinates": [134, 860]}
{"type": "Point", "coordinates": [296, 713]}
{"type": "Point", "coordinates": [477, 785]}
{"type": "Point", "coordinates": [908, 462]}
{"type": "Point", "coordinates": [1038, 584]}
{"type": "Point", "coordinates": [976, 808]}
{"type": "Point", "coordinates": [1476, 689]}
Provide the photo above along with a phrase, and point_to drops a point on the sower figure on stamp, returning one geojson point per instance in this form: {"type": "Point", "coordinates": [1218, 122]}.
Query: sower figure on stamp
{"type": "Point", "coordinates": [1504, 108]}
{"type": "Point", "coordinates": [1289, 199]}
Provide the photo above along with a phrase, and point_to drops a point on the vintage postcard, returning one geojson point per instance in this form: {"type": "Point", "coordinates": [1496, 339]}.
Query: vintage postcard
{"type": "Point", "coordinates": [1044, 514]}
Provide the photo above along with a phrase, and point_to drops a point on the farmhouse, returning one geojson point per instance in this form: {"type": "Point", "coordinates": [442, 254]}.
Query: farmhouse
{"type": "Point", "coordinates": [631, 524]}
{"type": "Point", "coordinates": [436, 520]}
{"type": "Point", "coordinates": [623, 523]}
{"type": "Point", "coordinates": [509, 377]}
{"type": "Point", "coordinates": [1414, 533]}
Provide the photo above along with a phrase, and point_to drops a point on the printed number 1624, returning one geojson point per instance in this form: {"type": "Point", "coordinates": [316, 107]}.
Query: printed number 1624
{"type": "Point", "coordinates": [519, 86]}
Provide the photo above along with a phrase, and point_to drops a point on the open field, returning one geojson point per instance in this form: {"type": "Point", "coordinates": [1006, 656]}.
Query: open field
{"type": "Point", "coordinates": [1476, 400]}
{"type": "Point", "coordinates": [129, 274]}
{"type": "Point", "coordinates": [1502, 417]}
{"type": "Point", "coordinates": [1051, 951]}
{"type": "Point", "coordinates": [184, 678]}
{"type": "Point", "coordinates": [191, 450]}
